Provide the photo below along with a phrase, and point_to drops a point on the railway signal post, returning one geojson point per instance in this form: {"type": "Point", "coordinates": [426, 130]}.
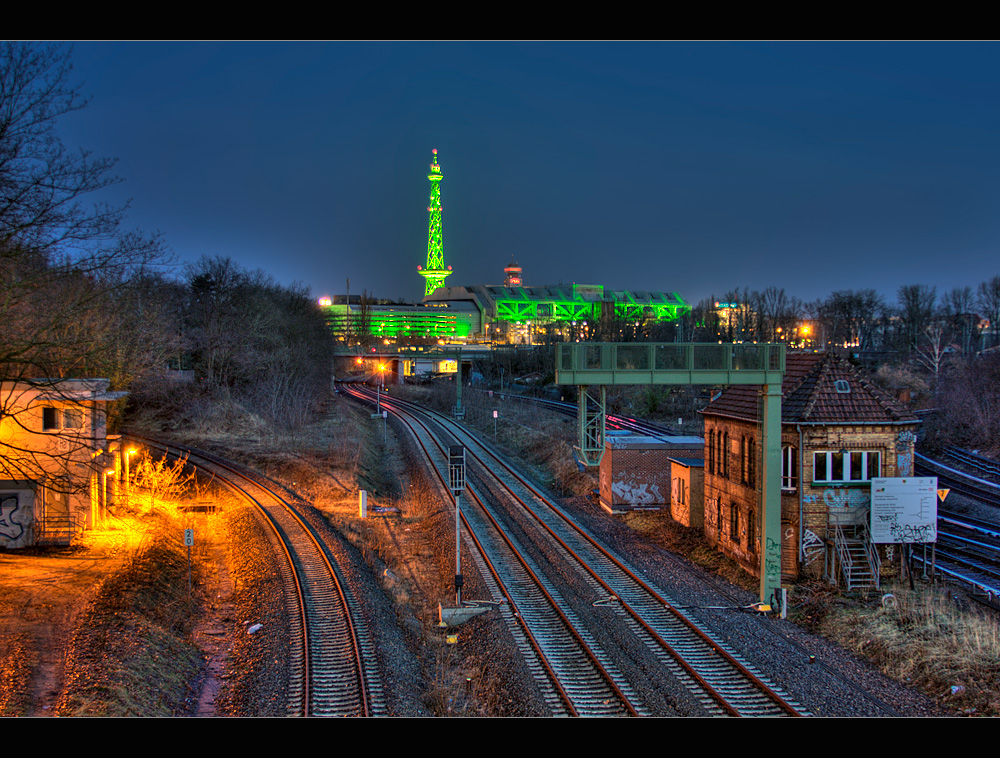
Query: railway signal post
{"type": "Point", "coordinates": [456, 481]}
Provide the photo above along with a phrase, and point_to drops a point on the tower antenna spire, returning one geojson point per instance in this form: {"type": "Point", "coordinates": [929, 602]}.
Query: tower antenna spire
{"type": "Point", "coordinates": [435, 272]}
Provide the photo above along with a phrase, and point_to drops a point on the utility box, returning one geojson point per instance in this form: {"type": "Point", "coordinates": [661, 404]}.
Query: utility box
{"type": "Point", "coordinates": [635, 472]}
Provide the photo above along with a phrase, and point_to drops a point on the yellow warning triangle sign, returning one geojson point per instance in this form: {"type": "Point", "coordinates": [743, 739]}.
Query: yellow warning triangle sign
{"type": "Point", "coordinates": [942, 494]}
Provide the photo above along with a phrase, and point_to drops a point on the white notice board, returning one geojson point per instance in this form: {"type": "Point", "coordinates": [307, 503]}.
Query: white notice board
{"type": "Point", "coordinates": [904, 509]}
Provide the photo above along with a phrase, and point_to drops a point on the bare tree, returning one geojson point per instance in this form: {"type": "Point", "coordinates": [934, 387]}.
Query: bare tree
{"type": "Point", "coordinates": [779, 314]}
{"type": "Point", "coordinates": [60, 256]}
{"type": "Point", "coordinates": [932, 349]}
{"type": "Point", "coordinates": [988, 296]}
{"type": "Point", "coordinates": [851, 317]}
{"type": "Point", "coordinates": [64, 258]}
{"type": "Point", "coordinates": [916, 309]}
{"type": "Point", "coordinates": [959, 310]}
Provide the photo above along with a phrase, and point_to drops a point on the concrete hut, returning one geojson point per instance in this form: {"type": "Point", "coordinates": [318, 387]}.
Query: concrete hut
{"type": "Point", "coordinates": [55, 453]}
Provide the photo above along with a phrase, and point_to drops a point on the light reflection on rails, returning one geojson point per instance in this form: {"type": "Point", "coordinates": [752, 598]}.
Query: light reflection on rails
{"type": "Point", "coordinates": [328, 671]}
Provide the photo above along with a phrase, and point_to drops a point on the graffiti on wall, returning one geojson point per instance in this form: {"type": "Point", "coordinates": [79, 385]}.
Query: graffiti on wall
{"type": "Point", "coordinates": [904, 453]}
{"type": "Point", "coordinates": [772, 560]}
{"type": "Point", "coordinates": [812, 546]}
{"type": "Point", "coordinates": [8, 527]}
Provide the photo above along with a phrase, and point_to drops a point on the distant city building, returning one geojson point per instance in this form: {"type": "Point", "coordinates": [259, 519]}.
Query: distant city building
{"type": "Point", "coordinates": [509, 313]}
{"type": "Point", "coordinates": [529, 315]}
{"type": "Point", "coordinates": [513, 272]}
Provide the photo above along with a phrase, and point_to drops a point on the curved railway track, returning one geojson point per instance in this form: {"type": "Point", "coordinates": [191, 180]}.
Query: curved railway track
{"type": "Point", "coordinates": [572, 594]}
{"type": "Point", "coordinates": [331, 656]}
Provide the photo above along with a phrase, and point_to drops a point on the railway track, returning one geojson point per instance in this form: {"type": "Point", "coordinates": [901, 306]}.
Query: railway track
{"type": "Point", "coordinates": [331, 656]}
{"type": "Point", "coordinates": [968, 549]}
{"type": "Point", "coordinates": [598, 628]}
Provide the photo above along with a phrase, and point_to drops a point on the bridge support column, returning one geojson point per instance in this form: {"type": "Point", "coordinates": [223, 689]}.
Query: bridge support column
{"type": "Point", "coordinates": [591, 402]}
{"type": "Point", "coordinates": [770, 556]}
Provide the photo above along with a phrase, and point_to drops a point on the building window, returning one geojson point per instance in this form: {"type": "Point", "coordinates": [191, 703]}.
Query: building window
{"type": "Point", "coordinates": [718, 516]}
{"type": "Point", "coordinates": [789, 467]}
{"type": "Point", "coordinates": [711, 452]}
{"type": "Point", "coordinates": [734, 523]}
{"type": "Point", "coordinates": [54, 419]}
{"type": "Point", "coordinates": [847, 466]}
{"type": "Point", "coordinates": [725, 456]}
{"type": "Point", "coordinates": [720, 455]}
{"type": "Point", "coordinates": [50, 419]}
{"type": "Point", "coordinates": [748, 462]}
{"type": "Point", "coordinates": [752, 530]}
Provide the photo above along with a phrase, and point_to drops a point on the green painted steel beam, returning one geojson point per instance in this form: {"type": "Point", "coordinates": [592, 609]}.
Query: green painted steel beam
{"type": "Point", "coordinates": [592, 363]}
{"type": "Point", "coordinates": [770, 559]}
{"type": "Point", "coordinates": [435, 272]}
{"type": "Point", "coordinates": [592, 420]}
{"type": "Point", "coordinates": [592, 366]}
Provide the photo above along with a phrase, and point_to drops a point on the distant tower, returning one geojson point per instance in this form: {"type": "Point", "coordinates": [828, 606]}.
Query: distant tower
{"type": "Point", "coordinates": [435, 272]}
{"type": "Point", "coordinates": [513, 275]}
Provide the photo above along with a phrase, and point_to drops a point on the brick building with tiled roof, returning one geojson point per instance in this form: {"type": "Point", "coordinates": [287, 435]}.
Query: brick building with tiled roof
{"type": "Point", "coordinates": [837, 432]}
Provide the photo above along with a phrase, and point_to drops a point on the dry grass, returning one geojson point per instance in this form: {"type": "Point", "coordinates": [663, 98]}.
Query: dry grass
{"type": "Point", "coordinates": [689, 542]}
{"type": "Point", "coordinates": [132, 654]}
{"type": "Point", "coordinates": [928, 639]}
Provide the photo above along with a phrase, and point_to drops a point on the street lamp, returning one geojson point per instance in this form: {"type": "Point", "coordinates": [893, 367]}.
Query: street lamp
{"type": "Point", "coordinates": [378, 388]}
{"type": "Point", "coordinates": [104, 477]}
{"type": "Point", "coordinates": [128, 480]}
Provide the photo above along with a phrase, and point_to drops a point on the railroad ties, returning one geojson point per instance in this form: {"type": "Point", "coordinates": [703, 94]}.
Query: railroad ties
{"type": "Point", "coordinates": [331, 656]}
{"type": "Point", "coordinates": [588, 625]}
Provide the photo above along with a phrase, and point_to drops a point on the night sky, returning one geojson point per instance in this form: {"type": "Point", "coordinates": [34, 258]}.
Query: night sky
{"type": "Point", "coordinates": [688, 167]}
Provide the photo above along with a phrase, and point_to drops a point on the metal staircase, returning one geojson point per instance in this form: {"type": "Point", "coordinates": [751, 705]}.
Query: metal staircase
{"type": "Point", "coordinates": [856, 560]}
{"type": "Point", "coordinates": [58, 530]}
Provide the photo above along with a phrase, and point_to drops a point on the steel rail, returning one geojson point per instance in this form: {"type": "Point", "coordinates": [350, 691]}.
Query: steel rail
{"type": "Point", "coordinates": [314, 576]}
{"type": "Point", "coordinates": [714, 646]}
{"type": "Point", "coordinates": [582, 701]}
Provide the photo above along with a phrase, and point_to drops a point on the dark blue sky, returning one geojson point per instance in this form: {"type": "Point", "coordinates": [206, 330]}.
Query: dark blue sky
{"type": "Point", "coordinates": [687, 167]}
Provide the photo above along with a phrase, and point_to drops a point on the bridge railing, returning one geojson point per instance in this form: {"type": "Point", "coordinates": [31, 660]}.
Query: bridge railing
{"type": "Point", "coordinates": [669, 363]}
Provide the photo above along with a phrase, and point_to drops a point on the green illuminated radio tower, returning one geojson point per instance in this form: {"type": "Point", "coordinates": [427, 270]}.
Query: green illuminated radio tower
{"type": "Point", "coordinates": [435, 272]}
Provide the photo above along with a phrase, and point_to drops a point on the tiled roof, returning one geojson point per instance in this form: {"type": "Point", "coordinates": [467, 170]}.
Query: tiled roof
{"type": "Point", "coordinates": [809, 395]}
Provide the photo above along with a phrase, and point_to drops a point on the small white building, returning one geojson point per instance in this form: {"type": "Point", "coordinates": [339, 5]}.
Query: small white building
{"type": "Point", "coordinates": [55, 454]}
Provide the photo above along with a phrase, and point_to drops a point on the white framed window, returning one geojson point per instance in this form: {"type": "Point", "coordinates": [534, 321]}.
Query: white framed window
{"type": "Point", "coordinates": [789, 467]}
{"type": "Point", "coordinates": [847, 465]}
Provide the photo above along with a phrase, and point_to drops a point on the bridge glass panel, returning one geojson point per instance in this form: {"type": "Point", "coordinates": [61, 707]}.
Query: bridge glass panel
{"type": "Point", "coordinates": [748, 357]}
{"type": "Point", "coordinates": [671, 357]}
{"type": "Point", "coordinates": [594, 357]}
{"type": "Point", "coordinates": [710, 357]}
{"type": "Point", "coordinates": [633, 357]}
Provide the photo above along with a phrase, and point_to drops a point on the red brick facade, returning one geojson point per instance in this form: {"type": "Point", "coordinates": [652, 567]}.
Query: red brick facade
{"type": "Point", "coordinates": [831, 417]}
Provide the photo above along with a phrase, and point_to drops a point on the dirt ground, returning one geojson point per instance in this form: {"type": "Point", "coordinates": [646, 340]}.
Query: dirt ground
{"type": "Point", "coordinates": [41, 594]}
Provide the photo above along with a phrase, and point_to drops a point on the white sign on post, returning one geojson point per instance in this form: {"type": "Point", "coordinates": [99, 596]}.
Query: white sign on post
{"type": "Point", "coordinates": [904, 509]}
